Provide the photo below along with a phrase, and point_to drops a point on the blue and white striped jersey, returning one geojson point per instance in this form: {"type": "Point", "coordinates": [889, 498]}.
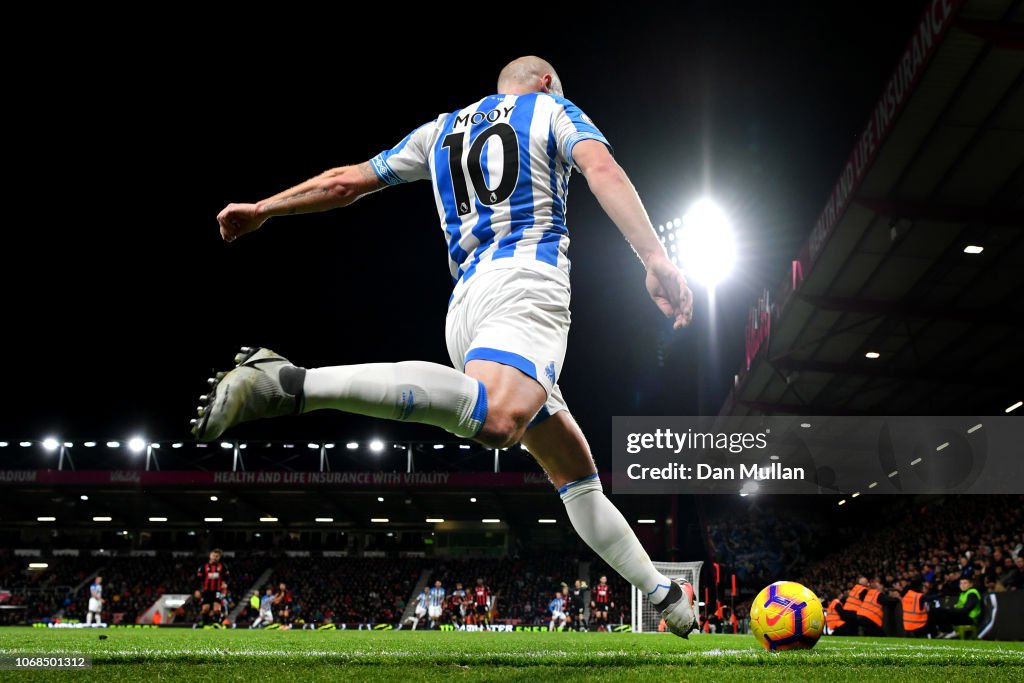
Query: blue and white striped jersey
{"type": "Point", "coordinates": [557, 604]}
{"type": "Point", "coordinates": [436, 597]}
{"type": "Point", "coordinates": [500, 169]}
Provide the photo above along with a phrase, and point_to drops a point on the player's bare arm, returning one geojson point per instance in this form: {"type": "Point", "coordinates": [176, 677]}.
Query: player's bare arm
{"type": "Point", "coordinates": [331, 189]}
{"type": "Point", "coordinates": [619, 199]}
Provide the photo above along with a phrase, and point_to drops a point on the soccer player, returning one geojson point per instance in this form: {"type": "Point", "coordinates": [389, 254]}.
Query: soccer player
{"type": "Point", "coordinates": [212, 574]}
{"type": "Point", "coordinates": [283, 600]}
{"type": "Point", "coordinates": [421, 607]}
{"type": "Point", "coordinates": [500, 169]}
{"type": "Point", "coordinates": [577, 602]}
{"type": "Point", "coordinates": [435, 607]}
{"type": "Point", "coordinates": [557, 609]}
{"type": "Point", "coordinates": [95, 602]}
{"type": "Point", "coordinates": [481, 603]}
{"type": "Point", "coordinates": [457, 604]}
{"type": "Point", "coordinates": [599, 605]}
{"type": "Point", "coordinates": [266, 609]}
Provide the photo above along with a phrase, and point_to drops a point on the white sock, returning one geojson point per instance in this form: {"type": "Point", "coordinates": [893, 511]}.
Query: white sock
{"type": "Point", "coordinates": [412, 390]}
{"type": "Point", "coordinates": [604, 529]}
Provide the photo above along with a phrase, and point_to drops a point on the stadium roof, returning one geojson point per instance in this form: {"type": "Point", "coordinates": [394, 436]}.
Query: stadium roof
{"type": "Point", "coordinates": [884, 312]}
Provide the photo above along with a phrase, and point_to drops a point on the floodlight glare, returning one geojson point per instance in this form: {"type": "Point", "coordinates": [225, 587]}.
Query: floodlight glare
{"type": "Point", "coordinates": [376, 446]}
{"type": "Point", "coordinates": [352, 445]}
{"type": "Point", "coordinates": [136, 445]}
{"type": "Point", "coordinates": [50, 444]}
{"type": "Point", "coordinates": [707, 250]}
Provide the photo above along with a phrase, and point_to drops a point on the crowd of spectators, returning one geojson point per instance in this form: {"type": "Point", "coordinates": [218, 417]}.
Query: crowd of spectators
{"type": "Point", "coordinates": [934, 544]}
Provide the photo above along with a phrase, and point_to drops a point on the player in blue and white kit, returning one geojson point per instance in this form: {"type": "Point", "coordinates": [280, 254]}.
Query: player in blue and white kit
{"type": "Point", "coordinates": [421, 608]}
{"type": "Point", "coordinates": [557, 609]}
{"type": "Point", "coordinates": [95, 602]}
{"type": "Point", "coordinates": [266, 616]}
{"type": "Point", "coordinates": [435, 606]}
{"type": "Point", "coordinates": [499, 169]}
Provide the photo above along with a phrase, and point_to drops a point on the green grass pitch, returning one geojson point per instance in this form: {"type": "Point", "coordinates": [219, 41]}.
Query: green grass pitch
{"type": "Point", "coordinates": [243, 655]}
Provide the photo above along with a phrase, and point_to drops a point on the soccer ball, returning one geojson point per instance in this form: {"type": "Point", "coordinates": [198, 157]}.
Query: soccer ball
{"type": "Point", "coordinates": [786, 616]}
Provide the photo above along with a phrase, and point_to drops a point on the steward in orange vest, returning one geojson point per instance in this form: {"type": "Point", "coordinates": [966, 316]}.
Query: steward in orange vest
{"type": "Point", "coordinates": [837, 625]}
{"type": "Point", "coordinates": [869, 612]}
{"type": "Point", "coordinates": [914, 616]}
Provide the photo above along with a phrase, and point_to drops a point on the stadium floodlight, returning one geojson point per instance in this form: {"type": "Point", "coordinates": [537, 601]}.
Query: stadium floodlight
{"type": "Point", "coordinates": [268, 519]}
{"type": "Point", "coordinates": [707, 249]}
{"type": "Point", "coordinates": [376, 445]}
{"type": "Point", "coordinates": [25, 444]}
{"type": "Point", "coordinates": [326, 520]}
{"type": "Point", "coordinates": [84, 497]}
{"type": "Point", "coordinates": [547, 521]}
{"type": "Point", "coordinates": [842, 502]}
{"type": "Point", "coordinates": [973, 249]}
{"type": "Point", "coordinates": [50, 443]}
{"type": "Point", "coordinates": [89, 444]}
{"type": "Point", "coordinates": [213, 519]}
{"type": "Point", "coordinates": [155, 445]}
{"type": "Point", "coordinates": [113, 444]}
{"type": "Point", "coordinates": [438, 446]}
{"type": "Point", "coordinates": [228, 444]}
{"type": "Point", "coordinates": [102, 519]}
{"type": "Point", "coordinates": [136, 445]}
{"type": "Point", "coordinates": [312, 445]}
{"type": "Point", "coordinates": [46, 519]}
{"type": "Point", "coordinates": [472, 500]}
{"type": "Point", "coordinates": [328, 445]}
{"type": "Point", "coordinates": [805, 425]}
{"type": "Point", "coordinates": [213, 498]}
{"type": "Point", "coordinates": [379, 520]}
{"type": "Point", "coordinates": [242, 446]}
{"type": "Point", "coordinates": [38, 565]}
{"type": "Point", "coordinates": [3, 444]}
{"type": "Point", "coordinates": [464, 447]}
{"type": "Point", "coordinates": [352, 445]}
{"type": "Point", "coordinates": [435, 520]}
{"type": "Point", "coordinates": [872, 355]}
{"type": "Point", "coordinates": [69, 444]}
{"type": "Point", "coordinates": [491, 520]}
{"type": "Point", "coordinates": [380, 499]}
{"type": "Point", "coordinates": [176, 444]}
{"type": "Point", "coordinates": [645, 521]}
{"type": "Point", "coordinates": [158, 519]}
{"type": "Point", "coordinates": [1014, 407]}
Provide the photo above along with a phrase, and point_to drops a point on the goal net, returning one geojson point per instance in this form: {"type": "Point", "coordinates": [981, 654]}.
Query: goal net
{"type": "Point", "coordinates": [645, 617]}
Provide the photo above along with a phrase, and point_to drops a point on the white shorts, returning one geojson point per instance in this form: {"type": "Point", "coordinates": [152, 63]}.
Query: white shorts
{"type": "Point", "coordinates": [517, 316]}
{"type": "Point", "coordinates": [434, 611]}
{"type": "Point", "coordinates": [420, 611]}
{"type": "Point", "coordinates": [558, 616]}
{"type": "Point", "coordinates": [95, 605]}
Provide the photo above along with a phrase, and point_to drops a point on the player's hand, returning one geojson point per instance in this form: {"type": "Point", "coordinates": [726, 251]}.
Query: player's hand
{"type": "Point", "coordinates": [669, 291]}
{"type": "Point", "coordinates": [237, 220]}
{"type": "Point", "coordinates": [196, 595]}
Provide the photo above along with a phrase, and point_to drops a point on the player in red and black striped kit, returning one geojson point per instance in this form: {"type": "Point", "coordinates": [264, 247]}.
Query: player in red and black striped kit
{"type": "Point", "coordinates": [481, 603]}
{"type": "Point", "coordinates": [602, 600]}
{"type": "Point", "coordinates": [213, 576]}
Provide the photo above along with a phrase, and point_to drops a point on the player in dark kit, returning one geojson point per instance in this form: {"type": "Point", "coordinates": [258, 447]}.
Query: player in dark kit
{"type": "Point", "coordinates": [482, 603]}
{"type": "Point", "coordinates": [600, 604]}
{"type": "Point", "coordinates": [213, 576]}
{"type": "Point", "coordinates": [283, 601]}
{"type": "Point", "coordinates": [577, 605]}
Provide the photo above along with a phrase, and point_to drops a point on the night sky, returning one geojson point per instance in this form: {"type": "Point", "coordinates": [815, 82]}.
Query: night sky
{"type": "Point", "coordinates": [120, 296]}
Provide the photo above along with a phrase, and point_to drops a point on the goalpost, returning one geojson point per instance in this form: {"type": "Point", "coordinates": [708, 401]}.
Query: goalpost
{"type": "Point", "coordinates": [645, 618]}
